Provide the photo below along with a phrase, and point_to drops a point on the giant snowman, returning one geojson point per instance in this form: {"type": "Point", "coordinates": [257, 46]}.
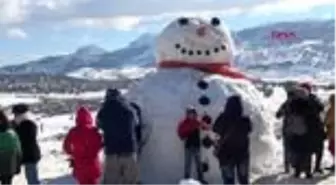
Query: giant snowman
{"type": "Point", "coordinates": [194, 59]}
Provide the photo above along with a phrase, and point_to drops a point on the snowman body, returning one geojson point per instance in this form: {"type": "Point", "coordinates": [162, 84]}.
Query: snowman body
{"type": "Point", "coordinates": [163, 98]}
{"type": "Point", "coordinates": [184, 48]}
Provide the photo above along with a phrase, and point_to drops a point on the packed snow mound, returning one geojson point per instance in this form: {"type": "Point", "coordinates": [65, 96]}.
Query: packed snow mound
{"type": "Point", "coordinates": [189, 182]}
{"type": "Point", "coordinates": [163, 98]}
{"type": "Point", "coordinates": [280, 179]}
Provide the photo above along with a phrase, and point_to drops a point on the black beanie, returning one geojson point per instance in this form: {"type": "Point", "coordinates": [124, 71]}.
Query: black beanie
{"type": "Point", "coordinates": [20, 108]}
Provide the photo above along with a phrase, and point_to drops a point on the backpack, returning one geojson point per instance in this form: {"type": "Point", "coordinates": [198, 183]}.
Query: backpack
{"type": "Point", "coordinates": [295, 125]}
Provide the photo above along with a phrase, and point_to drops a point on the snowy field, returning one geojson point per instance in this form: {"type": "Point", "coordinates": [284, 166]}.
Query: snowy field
{"type": "Point", "coordinates": [9, 99]}
{"type": "Point", "coordinates": [54, 168]}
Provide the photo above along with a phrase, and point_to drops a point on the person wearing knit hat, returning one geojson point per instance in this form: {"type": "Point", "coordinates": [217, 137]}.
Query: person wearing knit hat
{"type": "Point", "coordinates": [20, 109]}
{"type": "Point", "coordinates": [27, 130]}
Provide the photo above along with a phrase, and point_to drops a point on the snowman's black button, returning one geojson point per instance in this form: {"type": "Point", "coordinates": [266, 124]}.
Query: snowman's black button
{"type": "Point", "coordinates": [202, 84]}
{"type": "Point", "coordinates": [207, 142]}
{"type": "Point", "coordinates": [204, 100]}
{"type": "Point", "coordinates": [223, 47]}
{"type": "Point", "coordinates": [177, 46]}
{"type": "Point", "coordinates": [183, 50]}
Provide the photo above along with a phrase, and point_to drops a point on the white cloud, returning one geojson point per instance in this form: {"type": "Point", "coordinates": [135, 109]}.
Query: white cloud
{"type": "Point", "coordinates": [47, 11]}
{"type": "Point", "coordinates": [127, 14]}
{"type": "Point", "coordinates": [16, 33]}
{"type": "Point", "coordinates": [124, 23]}
{"type": "Point", "coordinates": [138, 16]}
{"type": "Point", "coordinates": [21, 11]}
{"type": "Point", "coordinates": [12, 11]}
{"type": "Point", "coordinates": [288, 6]}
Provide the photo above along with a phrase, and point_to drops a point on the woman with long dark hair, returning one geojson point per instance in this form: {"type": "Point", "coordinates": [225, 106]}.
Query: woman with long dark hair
{"type": "Point", "coordinates": [232, 148]}
{"type": "Point", "coordinates": [10, 151]}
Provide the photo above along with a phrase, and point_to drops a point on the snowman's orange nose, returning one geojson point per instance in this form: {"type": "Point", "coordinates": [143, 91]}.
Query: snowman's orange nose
{"type": "Point", "coordinates": [201, 31]}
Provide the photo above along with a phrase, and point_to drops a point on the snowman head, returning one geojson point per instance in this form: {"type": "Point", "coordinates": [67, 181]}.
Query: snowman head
{"type": "Point", "coordinates": [196, 41]}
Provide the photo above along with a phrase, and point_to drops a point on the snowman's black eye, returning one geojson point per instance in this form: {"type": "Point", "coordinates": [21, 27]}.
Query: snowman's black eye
{"type": "Point", "coordinates": [215, 21]}
{"type": "Point", "coordinates": [183, 21]}
{"type": "Point", "coordinates": [223, 47]}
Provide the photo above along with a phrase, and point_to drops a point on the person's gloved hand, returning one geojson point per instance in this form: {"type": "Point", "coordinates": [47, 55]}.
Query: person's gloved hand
{"type": "Point", "coordinates": [71, 162]}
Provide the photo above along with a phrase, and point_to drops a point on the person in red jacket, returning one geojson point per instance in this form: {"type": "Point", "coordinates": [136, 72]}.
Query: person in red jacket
{"type": "Point", "coordinates": [82, 144]}
{"type": "Point", "coordinates": [189, 131]}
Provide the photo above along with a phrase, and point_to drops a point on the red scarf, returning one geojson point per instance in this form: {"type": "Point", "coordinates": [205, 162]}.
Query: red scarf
{"type": "Point", "coordinates": [223, 69]}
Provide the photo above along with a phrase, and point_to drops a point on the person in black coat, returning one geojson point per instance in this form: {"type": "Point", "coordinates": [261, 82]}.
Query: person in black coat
{"type": "Point", "coordinates": [232, 148]}
{"type": "Point", "coordinates": [319, 135]}
{"type": "Point", "coordinates": [283, 112]}
{"type": "Point", "coordinates": [117, 120]}
{"type": "Point", "coordinates": [301, 129]}
{"type": "Point", "coordinates": [27, 129]}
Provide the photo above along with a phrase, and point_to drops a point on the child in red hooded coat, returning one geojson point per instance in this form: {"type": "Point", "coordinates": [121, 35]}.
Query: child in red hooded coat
{"type": "Point", "coordinates": [83, 143]}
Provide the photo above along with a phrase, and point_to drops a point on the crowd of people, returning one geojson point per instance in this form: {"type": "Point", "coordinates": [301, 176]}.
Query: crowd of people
{"type": "Point", "coordinates": [304, 132]}
{"type": "Point", "coordinates": [117, 130]}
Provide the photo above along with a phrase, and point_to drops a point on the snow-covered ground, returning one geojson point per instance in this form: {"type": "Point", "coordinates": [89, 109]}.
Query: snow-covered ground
{"type": "Point", "coordinates": [13, 98]}
{"type": "Point", "coordinates": [7, 99]}
{"type": "Point", "coordinates": [111, 74]}
{"type": "Point", "coordinates": [10, 99]}
{"type": "Point", "coordinates": [54, 168]}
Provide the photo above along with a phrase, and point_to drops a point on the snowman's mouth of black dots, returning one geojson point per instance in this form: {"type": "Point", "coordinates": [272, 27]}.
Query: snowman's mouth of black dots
{"type": "Point", "coordinates": [186, 51]}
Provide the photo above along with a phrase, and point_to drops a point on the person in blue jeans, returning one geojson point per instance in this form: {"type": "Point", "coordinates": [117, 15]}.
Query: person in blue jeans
{"type": "Point", "coordinates": [26, 129]}
{"type": "Point", "coordinates": [232, 147]}
{"type": "Point", "coordinates": [189, 131]}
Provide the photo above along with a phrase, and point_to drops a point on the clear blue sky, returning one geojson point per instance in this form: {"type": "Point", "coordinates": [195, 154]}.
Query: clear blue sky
{"type": "Point", "coordinates": [50, 27]}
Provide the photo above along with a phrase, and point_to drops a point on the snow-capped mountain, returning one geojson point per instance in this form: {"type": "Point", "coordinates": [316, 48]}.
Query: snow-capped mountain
{"type": "Point", "coordinates": [138, 53]}
{"type": "Point", "coordinates": [311, 52]}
